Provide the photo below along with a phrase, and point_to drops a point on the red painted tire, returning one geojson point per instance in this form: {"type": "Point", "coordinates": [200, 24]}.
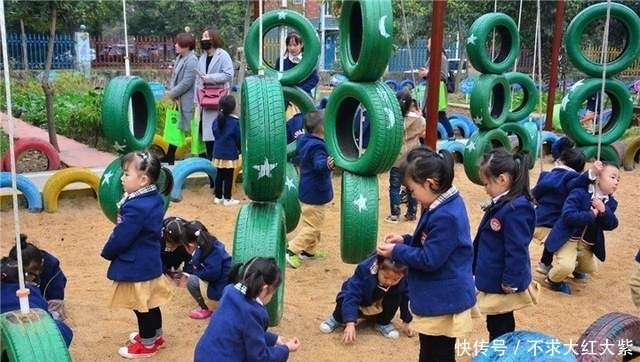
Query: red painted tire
{"type": "Point", "coordinates": [23, 145]}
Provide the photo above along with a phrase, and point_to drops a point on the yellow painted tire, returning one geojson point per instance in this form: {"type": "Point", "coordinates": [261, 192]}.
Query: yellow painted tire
{"type": "Point", "coordinates": [630, 157]}
{"type": "Point", "coordinates": [59, 180]}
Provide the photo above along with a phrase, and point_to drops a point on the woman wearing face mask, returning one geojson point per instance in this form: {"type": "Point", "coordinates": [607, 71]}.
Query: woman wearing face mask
{"type": "Point", "coordinates": [214, 67]}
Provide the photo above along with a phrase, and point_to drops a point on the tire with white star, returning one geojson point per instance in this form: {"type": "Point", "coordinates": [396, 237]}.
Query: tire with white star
{"type": "Point", "coordinates": [607, 153]}
{"type": "Point", "coordinates": [481, 33]}
{"type": "Point", "coordinates": [524, 346]}
{"type": "Point", "coordinates": [526, 140]}
{"type": "Point", "coordinates": [290, 19]}
{"type": "Point", "coordinates": [264, 138]}
{"type": "Point", "coordinates": [260, 231]}
{"type": "Point", "coordinates": [289, 198]}
{"type": "Point", "coordinates": [358, 216]}
{"type": "Point", "coordinates": [366, 39]}
{"type": "Point", "coordinates": [478, 144]}
{"type": "Point", "coordinates": [32, 337]}
{"type": "Point", "coordinates": [605, 338]}
{"type": "Point", "coordinates": [28, 188]}
{"type": "Point", "coordinates": [621, 111]}
{"type": "Point", "coordinates": [386, 123]}
{"type": "Point", "coordinates": [584, 21]}
{"type": "Point", "coordinates": [529, 96]}
{"type": "Point", "coordinates": [62, 178]}
{"type": "Point", "coordinates": [490, 101]}
{"type": "Point", "coordinates": [118, 95]}
{"type": "Point", "coordinates": [185, 168]}
{"type": "Point", "coordinates": [110, 189]}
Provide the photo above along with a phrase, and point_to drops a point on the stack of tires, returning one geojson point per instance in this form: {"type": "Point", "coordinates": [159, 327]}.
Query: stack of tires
{"type": "Point", "coordinates": [269, 180]}
{"type": "Point", "coordinates": [490, 101]}
{"type": "Point", "coordinates": [365, 48]}
{"type": "Point", "coordinates": [601, 141]}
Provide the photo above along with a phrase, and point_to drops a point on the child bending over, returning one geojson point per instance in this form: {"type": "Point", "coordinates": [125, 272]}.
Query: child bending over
{"type": "Point", "coordinates": [376, 290]}
{"type": "Point", "coordinates": [175, 256]}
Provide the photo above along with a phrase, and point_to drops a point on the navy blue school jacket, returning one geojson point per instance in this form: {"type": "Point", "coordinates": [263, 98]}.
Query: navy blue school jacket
{"type": "Point", "coordinates": [501, 246]}
{"type": "Point", "coordinates": [227, 145]}
{"type": "Point", "coordinates": [52, 280]}
{"type": "Point", "coordinates": [214, 269]}
{"type": "Point", "coordinates": [551, 191]}
{"type": "Point", "coordinates": [315, 187]}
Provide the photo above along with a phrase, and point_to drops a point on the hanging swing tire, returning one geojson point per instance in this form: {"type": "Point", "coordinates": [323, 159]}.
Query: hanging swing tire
{"type": "Point", "coordinates": [621, 114]}
{"type": "Point", "coordinates": [366, 39]}
{"type": "Point", "coordinates": [607, 153]}
{"type": "Point", "coordinates": [121, 92]}
{"type": "Point", "coordinates": [23, 145]}
{"type": "Point", "coordinates": [631, 154]}
{"type": "Point", "coordinates": [478, 144]}
{"type": "Point", "coordinates": [480, 34]}
{"type": "Point", "coordinates": [529, 96]}
{"type": "Point", "coordinates": [185, 168]}
{"type": "Point", "coordinates": [27, 187]}
{"type": "Point", "coordinates": [490, 111]}
{"type": "Point", "coordinates": [385, 118]}
{"type": "Point", "coordinates": [32, 337]}
{"type": "Point", "coordinates": [59, 180]}
{"type": "Point", "coordinates": [586, 18]}
{"type": "Point", "coordinates": [264, 138]}
{"type": "Point", "coordinates": [359, 216]}
{"type": "Point", "coordinates": [260, 231]}
{"type": "Point", "coordinates": [289, 198]}
{"type": "Point", "coordinates": [299, 98]}
{"type": "Point", "coordinates": [606, 336]}
{"type": "Point", "coordinates": [526, 142]}
{"type": "Point", "coordinates": [291, 19]}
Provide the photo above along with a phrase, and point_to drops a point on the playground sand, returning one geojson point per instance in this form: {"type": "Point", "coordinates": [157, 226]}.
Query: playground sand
{"type": "Point", "coordinates": [77, 232]}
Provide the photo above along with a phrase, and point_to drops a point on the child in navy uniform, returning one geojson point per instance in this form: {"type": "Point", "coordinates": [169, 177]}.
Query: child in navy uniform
{"type": "Point", "coordinates": [578, 235]}
{"type": "Point", "coordinates": [439, 255]}
{"type": "Point", "coordinates": [502, 264]}
{"type": "Point", "coordinates": [315, 189]}
{"type": "Point", "coordinates": [175, 256]}
{"type": "Point", "coordinates": [210, 265]}
{"type": "Point", "coordinates": [376, 290]}
{"type": "Point", "coordinates": [293, 56]}
{"type": "Point", "coordinates": [226, 150]}
{"type": "Point", "coordinates": [45, 270]}
{"type": "Point", "coordinates": [133, 249]}
{"type": "Point", "coordinates": [237, 332]}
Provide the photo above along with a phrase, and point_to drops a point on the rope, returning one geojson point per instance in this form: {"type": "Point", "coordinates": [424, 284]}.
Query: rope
{"type": "Point", "coordinates": [127, 70]}
{"type": "Point", "coordinates": [283, 38]}
{"type": "Point", "coordinates": [406, 36]}
{"type": "Point", "coordinates": [260, 68]}
{"type": "Point", "coordinates": [537, 65]}
{"type": "Point", "coordinates": [23, 292]}
{"type": "Point", "coordinates": [605, 58]}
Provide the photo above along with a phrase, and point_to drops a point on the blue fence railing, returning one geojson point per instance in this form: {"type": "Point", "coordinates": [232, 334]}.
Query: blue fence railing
{"type": "Point", "coordinates": [36, 46]}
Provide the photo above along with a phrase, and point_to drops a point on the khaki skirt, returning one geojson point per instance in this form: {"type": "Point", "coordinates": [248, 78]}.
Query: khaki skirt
{"type": "Point", "coordinates": [492, 303]}
{"type": "Point", "coordinates": [450, 325]}
{"type": "Point", "coordinates": [219, 163]}
{"type": "Point", "coordinates": [141, 296]}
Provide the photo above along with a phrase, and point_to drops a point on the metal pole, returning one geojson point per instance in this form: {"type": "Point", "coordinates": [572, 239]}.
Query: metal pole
{"type": "Point", "coordinates": [323, 5]}
{"type": "Point", "coordinates": [553, 72]}
{"type": "Point", "coordinates": [433, 81]}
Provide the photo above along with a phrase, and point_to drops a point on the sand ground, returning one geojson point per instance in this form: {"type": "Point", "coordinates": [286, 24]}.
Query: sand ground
{"type": "Point", "coordinates": [77, 232]}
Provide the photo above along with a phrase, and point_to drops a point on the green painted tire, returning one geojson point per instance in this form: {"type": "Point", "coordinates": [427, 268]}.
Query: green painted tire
{"type": "Point", "coordinates": [260, 231]}
{"type": "Point", "coordinates": [289, 198]}
{"type": "Point", "coordinates": [621, 111]}
{"type": "Point", "coordinates": [480, 34]}
{"type": "Point", "coordinates": [478, 144]}
{"type": "Point", "coordinates": [264, 138]}
{"type": "Point", "coordinates": [607, 153]}
{"type": "Point", "coordinates": [119, 93]}
{"type": "Point", "coordinates": [62, 178]}
{"type": "Point", "coordinates": [584, 20]}
{"type": "Point", "coordinates": [358, 217]}
{"type": "Point", "coordinates": [526, 140]}
{"type": "Point", "coordinates": [386, 124]}
{"type": "Point", "coordinates": [299, 98]}
{"type": "Point", "coordinates": [366, 39]}
{"type": "Point", "coordinates": [32, 337]}
{"type": "Point", "coordinates": [110, 190]}
{"type": "Point", "coordinates": [490, 110]}
{"type": "Point", "coordinates": [291, 19]}
{"type": "Point", "coordinates": [630, 157]}
{"type": "Point", "coordinates": [529, 96]}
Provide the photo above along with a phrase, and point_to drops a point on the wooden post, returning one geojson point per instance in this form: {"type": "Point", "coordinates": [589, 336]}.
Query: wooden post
{"type": "Point", "coordinates": [433, 81]}
{"type": "Point", "coordinates": [553, 71]}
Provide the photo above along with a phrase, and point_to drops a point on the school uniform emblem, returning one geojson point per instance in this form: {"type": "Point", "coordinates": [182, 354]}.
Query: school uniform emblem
{"type": "Point", "coordinates": [495, 224]}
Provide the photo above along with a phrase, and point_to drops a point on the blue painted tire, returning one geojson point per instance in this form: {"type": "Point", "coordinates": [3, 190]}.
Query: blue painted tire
{"type": "Point", "coordinates": [548, 137]}
{"type": "Point", "coordinates": [442, 132]}
{"type": "Point", "coordinates": [185, 168]}
{"type": "Point", "coordinates": [392, 84]}
{"type": "Point", "coordinates": [456, 148]}
{"type": "Point", "coordinates": [519, 346]}
{"type": "Point", "coordinates": [463, 126]}
{"type": "Point", "coordinates": [27, 187]}
{"type": "Point", "coordinates": [407, 83]}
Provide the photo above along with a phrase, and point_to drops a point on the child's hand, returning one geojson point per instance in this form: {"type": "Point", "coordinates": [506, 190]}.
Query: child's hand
{"type": "Point", "coordinates": [385, 249]}
{"type": "Point", "coordinates": [598, 205]}
{"type": "Point", "coordinates": [349, 334]}
{"type": "Point", "coordinates": [393, 238]}
{"type": "Point", "coordinates": [596, 167]}
{"type": "Point", "coordinates": [406, 329]}
{"type": "Point", "coordinates": [293, 344]}
{"type": "Point", "coordinates": [331, 163]}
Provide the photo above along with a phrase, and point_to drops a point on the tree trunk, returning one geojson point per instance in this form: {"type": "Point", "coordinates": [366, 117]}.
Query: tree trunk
{"type": "Point", "coordinates": [47, 87]}
{"type": "Point", "coordinates": [23, 40]}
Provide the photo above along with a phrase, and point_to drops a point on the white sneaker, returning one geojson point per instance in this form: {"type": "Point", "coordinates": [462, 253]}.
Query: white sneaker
{"type": "Point", "coordinates": [543, 269]}
{"type": "Point", "coordinates": [217, 201]}
{"type": "Point", "coordinates": [230, 202]}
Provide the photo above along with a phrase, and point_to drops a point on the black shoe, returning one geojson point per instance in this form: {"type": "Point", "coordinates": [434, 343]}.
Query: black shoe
{"type": "Point", "coordinates": [169, 160]}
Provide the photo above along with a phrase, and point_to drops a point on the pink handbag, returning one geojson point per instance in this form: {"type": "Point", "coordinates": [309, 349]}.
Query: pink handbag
{"type": "Point", "coordinates": [209, 96]}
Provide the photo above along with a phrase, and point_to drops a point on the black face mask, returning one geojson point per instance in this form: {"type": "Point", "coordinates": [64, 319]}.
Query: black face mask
{"type": "Point", "coordinates": [205, 44]}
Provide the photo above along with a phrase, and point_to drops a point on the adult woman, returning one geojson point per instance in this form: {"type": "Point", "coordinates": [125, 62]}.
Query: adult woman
{"type": "Point", "coordinates": [214, 67]}
{"type": "Point", "coordinates": [181, 86]}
